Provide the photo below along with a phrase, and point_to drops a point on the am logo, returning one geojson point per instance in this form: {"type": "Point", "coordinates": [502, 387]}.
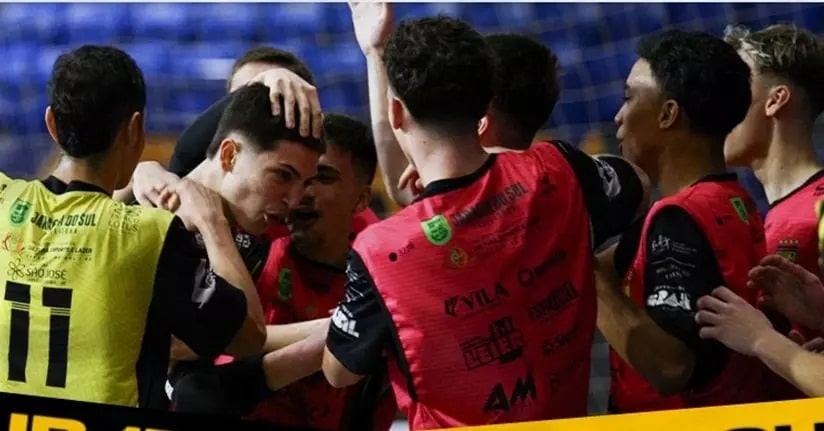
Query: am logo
{"type": "Point", "coordinates": [503, 399]}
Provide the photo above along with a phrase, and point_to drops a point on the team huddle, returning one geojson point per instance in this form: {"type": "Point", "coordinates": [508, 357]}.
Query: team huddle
{"type": "Point", "coordinates": [252, 280]}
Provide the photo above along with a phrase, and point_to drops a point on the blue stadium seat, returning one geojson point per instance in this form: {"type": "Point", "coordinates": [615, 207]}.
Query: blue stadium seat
{"type": "Point", "coordinates": [568, 113]}
{"type": "Point", "coordinates": [188, 103]}
{"type": "Point", "coordinates": [228, 22]}
{"type": "Point", "coordinates": [419, 10]}
{"type": "Point", "coordinates": [756, 16]}
{"type": "Point", "coordinates": [608, 104]}
{"type": "Point", "coordinates": [163, 21]}
{"type": "Point", "coordinates": [625, 21]}
{"type": "Point", "coordinates": [342, 59]}
{"type": "Point", "coordinates": [283, 21]}
{"type": "Point", "coordinates": [698, 14]}
{"type": "Point", "coordinates": [338, 19]}
{"type": "Point", "coordinates": [32, 22]}
{"type": "Point", "coordinates": [208, 61]}
{"type": "Point", "coordinates": [44, 63]}
{"type": "Point", "coordinates": [154, 59]}
{"type": "Point", "coordinates": [96, 23]}
{"type": "Point", "coordinates": [493, 17]}
{"type": "Point", "coordinates": [344, 96]}
{"type": "Point", "coordinates": [18, 61]}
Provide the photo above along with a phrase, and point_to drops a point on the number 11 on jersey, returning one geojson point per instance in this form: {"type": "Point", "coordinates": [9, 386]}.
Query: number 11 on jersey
{"type": "Point", "coordinates": [59, 302]}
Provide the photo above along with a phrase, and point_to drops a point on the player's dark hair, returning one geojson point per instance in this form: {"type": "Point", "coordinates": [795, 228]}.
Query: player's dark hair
{"type": "Point", "coordinates": [275, 57]}
{"type": "Point", "coordinates": [353, 137]}
{"type": "Point", "coordinates": [249, 114]}
{"type": "Point", "coordinates": [442, 71]}
{"type": "Point", "coordinates": [704, 75]}
{"type": "Point", "coordinates": [525, 89]}
{"type": "Point", "coordinates": [788, 53]}
{"type": "Point", "coordinates": [93, 92]}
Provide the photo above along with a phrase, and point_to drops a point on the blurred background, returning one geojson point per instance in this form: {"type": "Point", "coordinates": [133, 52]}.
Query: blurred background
{"type": "Point", "coordinates": [186, 52]}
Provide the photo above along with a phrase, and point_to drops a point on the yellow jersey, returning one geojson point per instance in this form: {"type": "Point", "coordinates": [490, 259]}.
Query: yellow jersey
{"type": "Point", "coordinates": [76, 283]}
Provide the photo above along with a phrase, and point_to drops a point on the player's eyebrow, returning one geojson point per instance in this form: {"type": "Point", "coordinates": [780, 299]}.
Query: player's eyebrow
{"type": "Point", "coordinates": [328, 170]}
{"type": "Point", "coordinates": [289, 168]}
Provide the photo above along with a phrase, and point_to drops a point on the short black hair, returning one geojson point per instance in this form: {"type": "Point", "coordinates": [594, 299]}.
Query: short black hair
{"type": "Point", "coordinates": [442, 71]}
{"type": "Point", "coordinates": [525, 89]}
{"type": "Point", "coordinates": [273, 56]}
{"type": "Point", "coordinates": [93, 91]}
{"type": "Point", "coordinates": [249, 113]}
{"type": "Point", "coordinates": [705, 75]}
{"type": "Point", "coordinates": [353, 137]}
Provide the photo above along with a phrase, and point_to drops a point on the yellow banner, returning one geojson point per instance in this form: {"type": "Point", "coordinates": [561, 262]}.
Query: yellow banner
{"type": "Point", "coordinates": [804, 415]}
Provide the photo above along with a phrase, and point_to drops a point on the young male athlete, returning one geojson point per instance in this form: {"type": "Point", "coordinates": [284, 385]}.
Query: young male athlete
{"type": "Point", "coordinates": [296, 89]}
{"type": "Point", "coordinates": [686, 92]}
{"type": "Point", "coordinates": [776, 141]}
{"type": "Point", "coordinates": [97, 284]}
{"type": "Point", "coordinates": [304, 278]}
{"type": "Point", "coordinates": [524, 94]}
{"type": "Point", "coordinates": [477, 264]}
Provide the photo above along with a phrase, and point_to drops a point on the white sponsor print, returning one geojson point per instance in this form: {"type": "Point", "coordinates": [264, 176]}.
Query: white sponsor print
{"type": "Point", "coordinates": [205, 283]}
{"type": "Point", "coordinates": [609, 178]}
{"type": "Point", "coordinates": [669, 298]}
{"type": "Point", "coordinates": [344, 321]}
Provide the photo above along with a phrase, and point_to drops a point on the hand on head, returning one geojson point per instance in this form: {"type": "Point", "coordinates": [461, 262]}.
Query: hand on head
{"type": "Point", "coordinates": [297, 95]}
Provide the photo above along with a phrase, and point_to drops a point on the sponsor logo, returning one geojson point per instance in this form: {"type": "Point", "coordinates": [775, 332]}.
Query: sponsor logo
{"type": "Point", "coordinates": [68, 220]}
{"type": "Point", "coordinates": [501, 400]}
{"type": "Point", "coordinates": [437, 230]}
{"type": "Point", "coordinates": [494, 204]}
{"type": "Point", "coordinates": [557, 300]}
{"type": "Point", "coordinates": [481, 299]}
{"type": "Point", "coordinates": [12, 242]}
{"type": "Point", "coordinates": [609, 178]}
{"type": "Point", "coordinates": [19, 212]}
{"type": "Point", "coordinates": [401, 252]}
{"type": "Point", "coordinates": [344, 321]}
{"type": "Point", "coordinates": [18, 270]}
{"type": "Point", "coordinates": [527, 276]}
{"type": "Point", "coordinates": [559, 341]}
{"type": "Point", "coordinates": [667, 298]}
{"type": "Point", "coordinates": [504, 344]}
{"type": "Point", "coordinates": [740, 209]}
{"type": "Point", "coordinates": [285, 284]}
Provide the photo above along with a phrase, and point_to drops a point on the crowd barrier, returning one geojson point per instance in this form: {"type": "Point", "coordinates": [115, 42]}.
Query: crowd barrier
{"type": "Point", "coordinates": [25, 413]}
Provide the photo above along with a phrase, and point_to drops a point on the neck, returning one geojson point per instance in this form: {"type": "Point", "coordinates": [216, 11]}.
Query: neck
{"type": "Point", "coordinates": [789, 162]}
{"type": "Point", "coordinates": [332, 252]}
{"type": "Point", "coordinates": [92, 172]}
{"type": "Point", "coordinates": [438, 158]}
{"type": "Point", "coordinates": [209, 175]}
{"type": "Point", "coordinates": [688, 160]}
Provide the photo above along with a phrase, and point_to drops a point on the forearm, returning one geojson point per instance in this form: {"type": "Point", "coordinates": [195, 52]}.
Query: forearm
{"type": "Point", "coordinates": [803, 369]}
{"type": "Point", "coordinates": [659, 357]}
{"type": "Point", "coordinates": [391, 160]}
{"type": "Point", "coordinates": [280, 336]}
{"type": "Point", "coordinates": [296, 361]}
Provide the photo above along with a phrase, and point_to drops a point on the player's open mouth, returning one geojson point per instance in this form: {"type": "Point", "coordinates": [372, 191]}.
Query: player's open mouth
{"type": "Point", "coordinates": [302, 216]}
{"type": "Point", "coordinates": [272, 218]}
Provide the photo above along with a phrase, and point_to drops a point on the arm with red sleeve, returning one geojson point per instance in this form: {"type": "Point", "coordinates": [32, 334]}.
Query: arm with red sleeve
{"type": "Point", "coordinates": [360, 330]}
{"type": "Point", "coordinates": [662, 340]}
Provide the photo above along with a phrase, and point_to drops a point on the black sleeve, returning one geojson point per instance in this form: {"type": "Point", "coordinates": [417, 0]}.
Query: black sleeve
{"type": "Point", "coordinates": [191, 147]}
{"type": "Point", "coordinates": [680, 268]}
{"type": "Point", "coordinates": [612, 190]}
{"type": "Point", "coordinates": [360, 330]}
{"type": "Point", "coordinates": [201, 309]}
{"type": "Point", "coordinates": [627, 247]}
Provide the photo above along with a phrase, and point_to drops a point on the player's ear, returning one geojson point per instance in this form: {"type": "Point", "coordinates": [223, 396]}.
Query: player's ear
{"type": "Point", "coordinates": [668, 114]}
{"type": "Point", "coordinates": [483, 124]}
{"type": "Point", "coordinates": [51, 124]}
{"type": "Point", "coordinates": [778, 97]}
{"type": "Point", "coordinates": [364, 200]}
{"type": "Point", "coordinates": [396, 109]}
{"type": "Point", "coordinates": [227, 154]}
{"type": "Point", "coordinates": [136, 130]}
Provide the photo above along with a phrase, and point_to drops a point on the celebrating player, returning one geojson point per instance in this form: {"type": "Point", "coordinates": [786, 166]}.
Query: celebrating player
{"type": "Point", "coordinates": [683, 96]}
{"type": "Point", "coordinates": [477, 264]}
{"type": "Point", "coordinates": [302, 279]}
{"type": "Point", "coordinates": [776, 140]}
{"type": "Point", "coordinates": [116, 280]}
{"type": "Point", "coordinates": [524, 94]}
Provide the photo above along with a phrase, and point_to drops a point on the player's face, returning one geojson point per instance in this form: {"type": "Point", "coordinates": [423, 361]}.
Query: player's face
{"type": "Point", "coordinates": [260, 186]}
{"type": "Point", "coordinates": [325, 213]}
{"type": "Point", "coordinates": [638, 118]}
{"type": "Point", "coordinates": [247, 72]}
{"type": "Point", "coordinates": [750, 138]}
